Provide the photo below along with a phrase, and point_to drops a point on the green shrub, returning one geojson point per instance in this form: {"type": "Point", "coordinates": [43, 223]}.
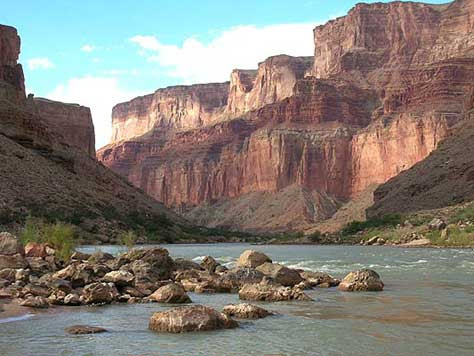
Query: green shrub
{"type": "Point", "coordinates": [59, 235]}
{"type": "Point", "coordinates": [386, 221]}
{"type": "Point", "coordinates": [315, 236]}
{"type": "Point", "coordinates": [128, 239]}
{"type": "Point", "coordinates": [464, 214]}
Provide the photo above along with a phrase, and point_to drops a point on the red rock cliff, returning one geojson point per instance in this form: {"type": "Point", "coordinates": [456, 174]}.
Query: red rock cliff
{"type": "Point", "coordinates": [181, 107]}
{"type": "Point", "coordinates": [389, 80]}
{"type": "Point", "coordinates": [72, 121]}
{"type": "Point", "coordinates": [11, 73]}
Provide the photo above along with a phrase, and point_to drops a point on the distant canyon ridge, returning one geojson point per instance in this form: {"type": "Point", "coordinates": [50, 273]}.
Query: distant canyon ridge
{"type": "Point", "coordinates": [301, 139]}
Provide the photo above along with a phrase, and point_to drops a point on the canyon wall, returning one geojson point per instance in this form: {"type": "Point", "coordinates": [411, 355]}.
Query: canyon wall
{"type": "Point", "coordinates": [72, 121]}
{"type": "Point", "coordinates": [12, 82]}
{"type": "Point", "coordinates": [385, 86]}
{"type": "Point", "coordinates": [180, 107]}
{"type": "Point", "coordinates": [47, 169]}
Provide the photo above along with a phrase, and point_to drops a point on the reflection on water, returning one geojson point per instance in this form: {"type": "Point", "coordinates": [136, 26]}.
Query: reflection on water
{"type": "Point", "coordinates": [427, 308]}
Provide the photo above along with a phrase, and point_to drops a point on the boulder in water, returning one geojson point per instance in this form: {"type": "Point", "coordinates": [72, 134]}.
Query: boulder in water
{"type": "Point", "coordinates": [365, 280]}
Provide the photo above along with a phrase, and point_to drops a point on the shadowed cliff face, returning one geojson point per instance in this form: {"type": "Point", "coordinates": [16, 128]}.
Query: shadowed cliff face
{"type": "Point", "coordinates": [48, 166]}
{"type": "Point", "coordinates": [385, 85]}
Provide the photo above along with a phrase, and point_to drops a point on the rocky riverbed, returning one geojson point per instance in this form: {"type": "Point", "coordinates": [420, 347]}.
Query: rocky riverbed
{"type": "Point", "coordinates": [32, 276]}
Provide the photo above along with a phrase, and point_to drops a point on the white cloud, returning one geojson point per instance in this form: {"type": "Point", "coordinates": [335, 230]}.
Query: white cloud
{"type": "Point", "coordinates": [98, 93]}
{"type": "Point", "coordinates": [146, 42]}
{"type": "Point", "coordinates": [238, 47]}
{"type": "Point", "coordinates": [87, 48]}
{"type": "Point", "coordinates": [40, 63]}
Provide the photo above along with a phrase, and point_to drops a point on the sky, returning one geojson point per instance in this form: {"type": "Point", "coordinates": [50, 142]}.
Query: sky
{"type": "Point", "coordinates": [98, 53]}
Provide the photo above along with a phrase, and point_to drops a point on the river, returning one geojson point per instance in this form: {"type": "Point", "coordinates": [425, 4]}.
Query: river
{"type": "Point", "coordinates": [427, 308]}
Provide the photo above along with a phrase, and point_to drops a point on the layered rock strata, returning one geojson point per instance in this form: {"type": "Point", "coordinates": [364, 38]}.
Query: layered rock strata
{"type": "Point", "coordinates": [385, 86]}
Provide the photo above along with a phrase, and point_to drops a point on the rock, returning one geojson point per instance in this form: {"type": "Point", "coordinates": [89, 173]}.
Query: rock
{"type": "Point", "coordinates": [237, 277]}
{"type": "Point", "coordinates": [80, 274]}
{"type": "Point", "coordinates": [372, 240]}
{"type": "Point", "coordinates": [271, 293]}
{"type": "Point", "coordinates": [319, 278]}
{"type": "Point", "coordinates": [72, 299]}
{"type": "Point", "coordinates": [10, 245]}
{"type": "Point", "coordinates": [60, 284]}
{"type": "Point", "coordinates": [221, 269]}
{"type": "Point", "coordinates": [36, 290]}
{"type": "Point", "coordinates": [100, 257]}
{"type": "Point", "coordinates": [417, 243]}
{"type": "Point", "coordinates": [364, 280]}
{"type": "Point", "coordinates": [252, 259]}
{"type": "Point", "coordinates": [153, 263]}
{"type": "Point", "coordinates": [80, 256]}
{"type": "Point", "coordinates": [99, 293]}
{"type": "Point", "coordinates": [33, 249]}
{"type": "Point", "coordinates": [209, 264]}
{"type": "Point", "coordinates": [35, 302]}
{"type": "Point", "coordinates": [16, 261]}
{"type": "Point", "coordinates": [245, 311]}
{"type": "Point", "coordinates": [437, 224]}
{"type": "Point", "coordinates": [84, 329]}
{"type": "Point", "coordinates": [40, 266]}
{"type": "Point", "coordinates": [119, 278]}
{"type": "Point", "coordinates": [182, 264]}
{"type": "Point", "coordinates": [8, 274]}
{"type": "Point", "coordinates": [22, 275]}
{"type": "Point", "coordinates": [280, 274]}
{"type": "Point", "coordinates": [171, 293]}
{"type": "Point", "coordinates": [190, 318]}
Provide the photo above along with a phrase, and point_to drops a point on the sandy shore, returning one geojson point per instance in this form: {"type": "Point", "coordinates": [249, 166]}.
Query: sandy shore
{"type": "Point", "coordinates": [10, 309]}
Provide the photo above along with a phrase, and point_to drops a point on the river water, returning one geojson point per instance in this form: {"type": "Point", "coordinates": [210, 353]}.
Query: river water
{"type": "Point", "coordinates": [427, 308]}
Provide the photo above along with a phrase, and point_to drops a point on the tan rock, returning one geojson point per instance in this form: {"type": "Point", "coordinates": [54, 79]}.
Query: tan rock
{"type": "Point", "coordinates": [99, 293]}
{"type": "Point", "coordinates": [252, 259]}
{"type": "Point", "coordinates": [280, 274]}
{"type": "Point", "coordinates": [245, 311]}
{"type": "Point", "coordinates": [271, 293]}
{"type": "Point", "coordinates": [16, 261]}
{"type": "Point", "coordinates": [171, 293]}
{"type": "Point", "coordinates": [192, 318]}
{"type": "Point", "coordinates": [119, 278]}
{"type": "Point", "coordinates": [365, 280]}
{"type": "Point", "coordinates": [10, 245]}
{"type": "Point", "coordinates": [35, 302]}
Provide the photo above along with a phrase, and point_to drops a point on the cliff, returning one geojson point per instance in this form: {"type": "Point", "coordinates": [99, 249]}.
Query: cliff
{"type": "Point", "coordinates": [73, 122]}
{"type": "Point", "coordinates": [48, 169]}
{"type": "Point", "coordinates": [385, 86]}
{"type": "Point", "coordinates": [178, 107]}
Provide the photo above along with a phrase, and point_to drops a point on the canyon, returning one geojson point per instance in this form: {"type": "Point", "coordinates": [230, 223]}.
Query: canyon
{"type": "Point", "coordinates": [49, 170]}
{"type": "Point", "coordinates": [283, 147]}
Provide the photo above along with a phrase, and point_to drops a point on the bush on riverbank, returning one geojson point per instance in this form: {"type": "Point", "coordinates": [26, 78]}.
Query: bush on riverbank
{"type": "Point", "coordinates": [354, 227]}
{"type": "Point", "coordinates": [128, 239]}
{"type": "Point", "coordinates": [59, 235]}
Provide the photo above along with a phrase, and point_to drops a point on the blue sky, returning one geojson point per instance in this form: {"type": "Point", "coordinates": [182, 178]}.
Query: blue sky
{"type": "Point", "coordinates": [98, 53]}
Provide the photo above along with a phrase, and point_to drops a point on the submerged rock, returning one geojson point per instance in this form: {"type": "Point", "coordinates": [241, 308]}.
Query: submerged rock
{"type": "Point", "coordinates": [171, 293]}
{"type": "Point", "coordinates": [267, 292]}
{"type": "Point", "coordinates": [84, 329]}
{"type": "Point", "coordinates": [252, 259]}
{"type": "Point", "coordinates": [365, 280]}
{"type": "Point", "coordinates": [245, 311]}
{"type": "Point", "coordinates": [35, 302]}
{"type": "Point", "coordinates": [319, 279]}
{"type": "Point", "coordinates": [192, 318]}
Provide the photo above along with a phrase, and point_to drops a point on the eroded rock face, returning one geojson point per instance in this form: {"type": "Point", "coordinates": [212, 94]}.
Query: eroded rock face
{"type": "Point", "coordinates": [178, 107]}
{"type": "Point", "coordinates": [186, 319]}
{"type": "Point", "coordinates": [388, 83]}
{"type": "Point", "coordinates": [73, 122]}
{"type": "Point", "coordinates": [12, 81]}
